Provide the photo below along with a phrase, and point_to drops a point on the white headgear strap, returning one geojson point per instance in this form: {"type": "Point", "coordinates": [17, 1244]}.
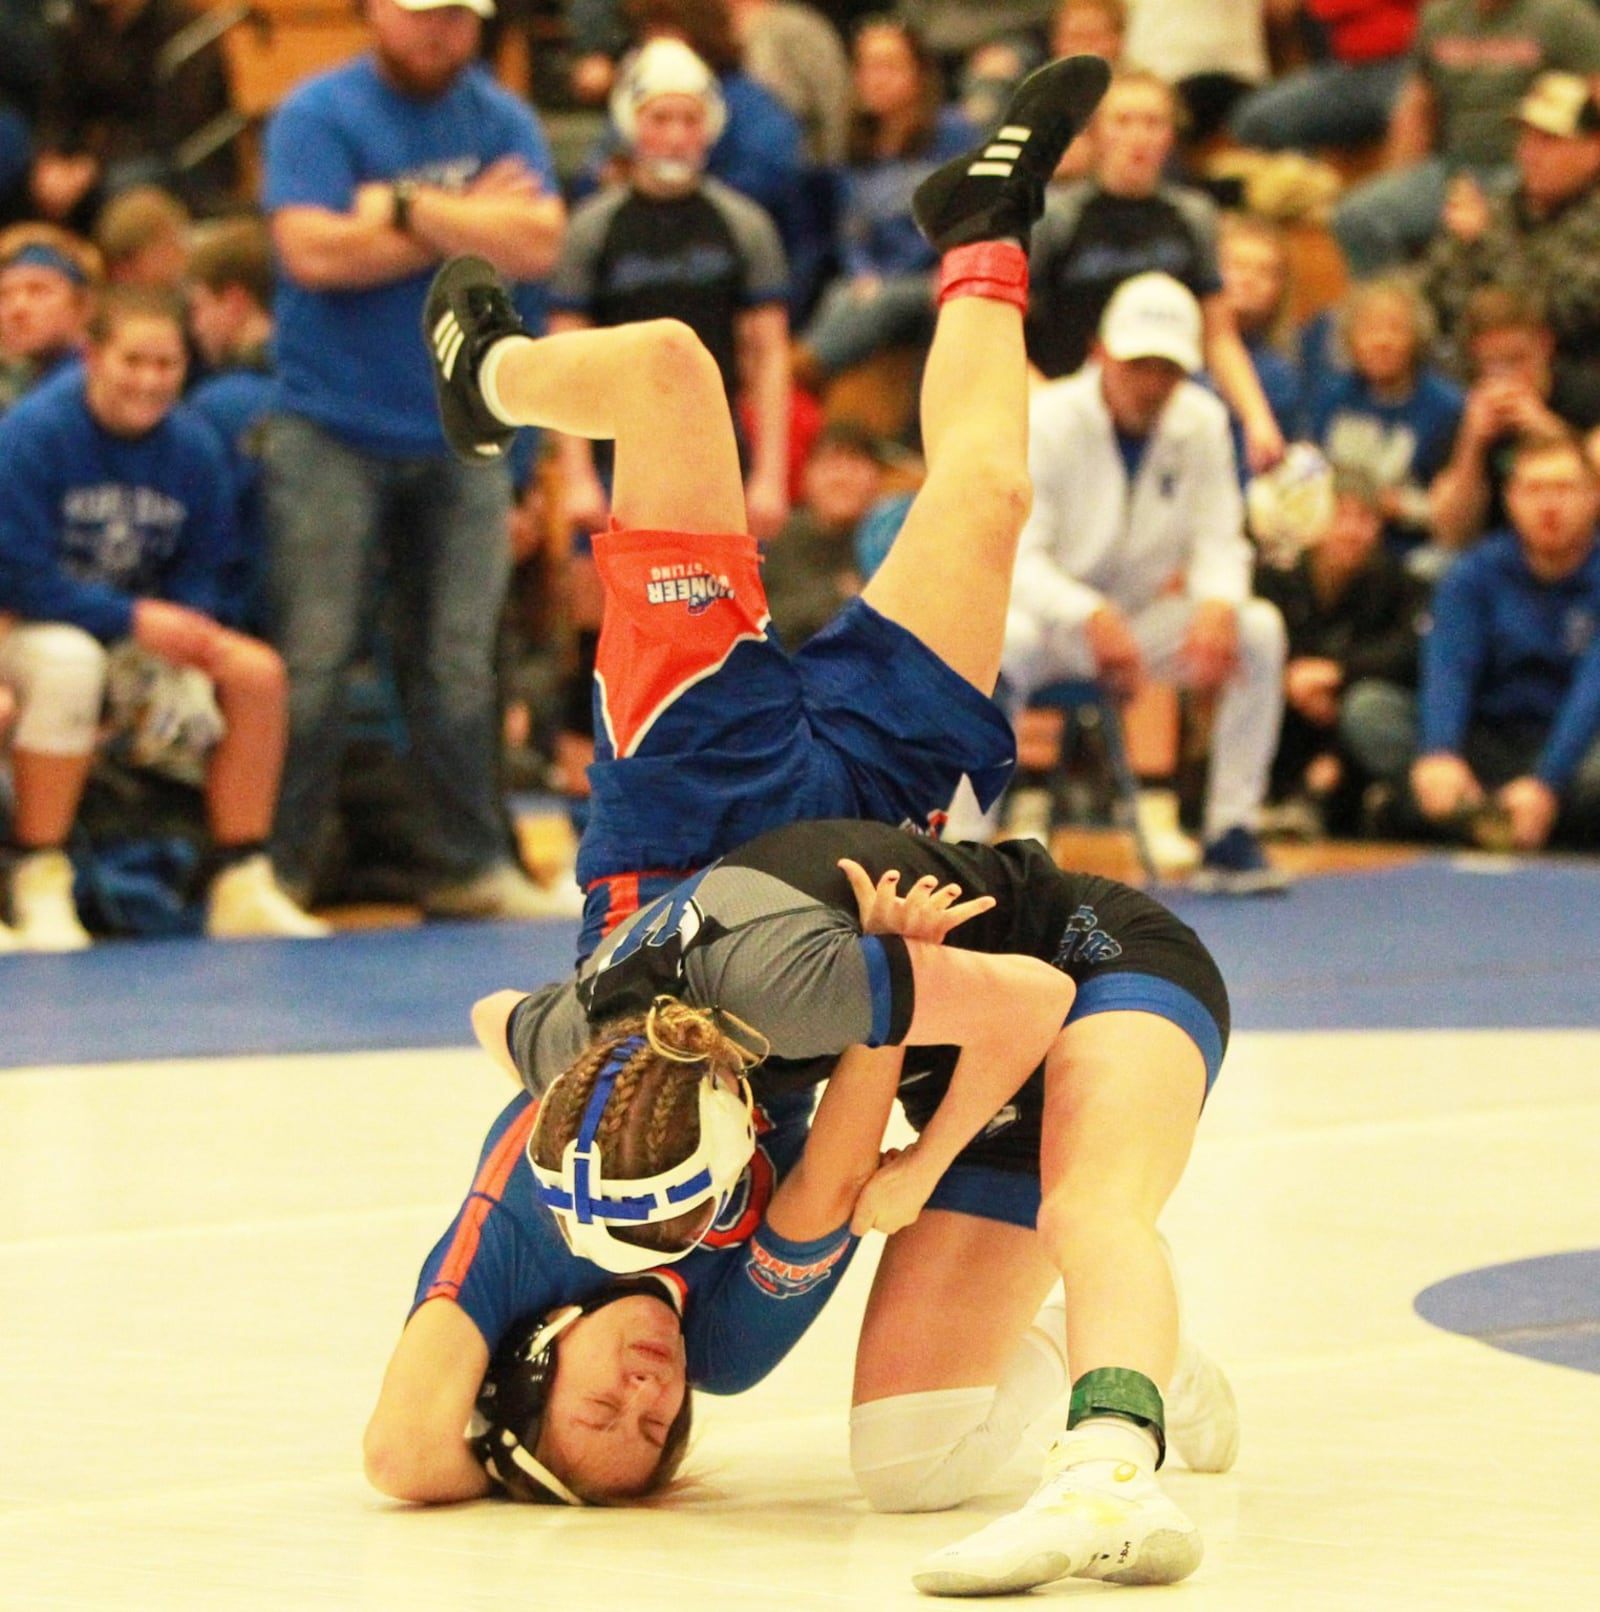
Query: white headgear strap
{"type": "Point", "coordinates": [587, 1204]}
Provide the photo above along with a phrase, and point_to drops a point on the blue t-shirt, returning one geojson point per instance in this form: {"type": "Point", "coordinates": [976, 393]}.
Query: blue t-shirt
{"type": "Point", "coordinates": [90, 521]}
{"type": "Point", "coordinates": [747, 1294]}
{"type": "Point", "coordinates": [1507, 649]}
{"type": "Point", "coordinates": [1403, 444]}
{"type": "Point", "coordinates": [877, 234]}
{"type": "Point", "coordinates": [354, 360]}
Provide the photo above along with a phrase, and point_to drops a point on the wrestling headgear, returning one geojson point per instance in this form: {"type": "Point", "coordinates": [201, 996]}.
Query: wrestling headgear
{"type": "Point", "coordinates": [587, 1204]}
{"type": "Point", "coordinates": [665, 67]}
{"type": "Point", "coordinates": [509, 1415]}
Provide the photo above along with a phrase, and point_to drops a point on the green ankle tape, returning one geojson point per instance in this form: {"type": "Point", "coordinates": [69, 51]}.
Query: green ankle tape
{"type": "Point", "coordinates": [1115, 1391]}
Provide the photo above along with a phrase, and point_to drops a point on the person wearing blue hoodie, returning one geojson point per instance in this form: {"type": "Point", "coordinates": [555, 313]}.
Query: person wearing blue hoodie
{"type": "Point", "coordinates": [115, 535]}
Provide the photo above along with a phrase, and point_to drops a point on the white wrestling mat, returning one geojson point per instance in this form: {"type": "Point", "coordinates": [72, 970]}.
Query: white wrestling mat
{"type": "Point", "coordinates": [206, 1262]}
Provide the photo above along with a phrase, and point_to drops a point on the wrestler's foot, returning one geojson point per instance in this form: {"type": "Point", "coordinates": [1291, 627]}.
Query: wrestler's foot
{"type": "Point", "coordinates": [468, 310]}
{"type": "Point", "coordinates": [1202, 1415]}
{"type": "Point", "coordinates": [996, 191]}
{"type": "Point", "coordinates": [1088, 1519]}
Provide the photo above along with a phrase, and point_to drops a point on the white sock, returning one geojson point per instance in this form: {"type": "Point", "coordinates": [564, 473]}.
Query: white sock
{"type": "Point", "coordinates": [1113, 1438]}
{"type": "Point", "coordinates": [489, 377]}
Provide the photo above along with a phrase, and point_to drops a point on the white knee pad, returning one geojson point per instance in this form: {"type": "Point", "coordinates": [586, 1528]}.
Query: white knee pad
{"type": "Point", "coordinates": [931, 1451]}
{"type": "Point", "coordinates": [59, 675]}
{"type": "Point", "coordinates": [917, 1452]}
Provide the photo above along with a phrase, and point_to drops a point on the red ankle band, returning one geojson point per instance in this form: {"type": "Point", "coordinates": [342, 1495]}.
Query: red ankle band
{"type": "Point", "coordinates": [997, 270]}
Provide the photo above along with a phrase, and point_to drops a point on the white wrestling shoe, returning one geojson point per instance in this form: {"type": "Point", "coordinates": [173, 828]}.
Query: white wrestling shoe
{"type": "Point", "coordinates": [1088, 1519]}
{"type": "Point", "coordinates": [1202, 1414]}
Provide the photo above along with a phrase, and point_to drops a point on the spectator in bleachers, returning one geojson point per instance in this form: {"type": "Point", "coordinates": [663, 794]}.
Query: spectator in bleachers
{"type": "Point", "coordinates": [1543, 237]}
{"type": "Point", "coordinates": [143, 236]}
{"type": "Point", "coordinates": [1501, 744]}
{"type": "Point", "coordinates": [1086, 28]}
{"type": "Point", "coordinates": [1346, 96]}
{"type": "Point", "coordinates": [809, 569]}
{"type": "Point", "coordinates": [230, 324]}
{"type": "Point", "coordinates": [901, 129]}
{"type": "Point", "coordinates": [374, 172]}
{"type": "Point", "coordinates": [1471, 65]}
{"type": "Point", "coordinates": [1518, 388]}
{"type": "Point", "coordinates": [24, 69]}
{"type": "Point", "coordinates": [116, 527]}
{"type": "Point", "coordinates": [1254, 261]}
{"type": "Point", "coordinates": [1134, 563]}
{"type": "Point", "coordinates": [1211, 55]}
{"type": "Point", "coordinates": [797, 53]}
{"type": "Point", "coordinates": [760, 152]}
{"type": "Point", "coordinates": [47, 280]}
{"type": "Point", "coordinates": [1125, 220]}
{"type": "Point", "coordinates": [1391, 413]}
{"type": "Point", "coordinates": [123, 97]}
{"type": "Point", "coordinates": [1352, 611]}
{"type": "Point", "coordinates": [674, 244]}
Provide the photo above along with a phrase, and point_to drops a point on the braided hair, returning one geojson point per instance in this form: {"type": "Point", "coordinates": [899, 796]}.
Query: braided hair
{"type": "Point", "coordinates": [652, 1121]}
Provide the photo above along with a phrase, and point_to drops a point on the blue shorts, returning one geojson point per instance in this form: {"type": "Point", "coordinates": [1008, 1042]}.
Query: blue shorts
{"type": "Point", "coordinates": [708, 732]}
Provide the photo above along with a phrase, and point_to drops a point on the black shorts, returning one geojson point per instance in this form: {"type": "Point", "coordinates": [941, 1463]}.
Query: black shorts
{"type": "Point", "coordinates": [1126, 952]}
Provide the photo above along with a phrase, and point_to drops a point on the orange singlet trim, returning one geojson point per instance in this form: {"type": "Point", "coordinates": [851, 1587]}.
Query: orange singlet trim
{"type": "Point", "coordinates": [487, 1187]}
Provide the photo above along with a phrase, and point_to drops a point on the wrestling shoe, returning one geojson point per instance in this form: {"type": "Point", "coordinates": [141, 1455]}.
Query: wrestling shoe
{"type": "Point", "coordinates": [467, 311]}
{"type": "Point", "coordinates": [42, 907]}
{"type": "Point", "coordinates": [1088, 1519]}
{"type": "Point", "coordinates": [996, 191]}
{"type": "Point", "coordinates": [1202, 1415]}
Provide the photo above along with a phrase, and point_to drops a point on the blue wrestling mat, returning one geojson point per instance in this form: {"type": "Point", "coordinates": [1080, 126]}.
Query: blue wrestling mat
{"type": "Point", "coordinates": [373, 989]}
{"type": "Point", "coordinates": [1426, 946]}
{"type": "Point", "coordinates": [1440, 944]}
{"type": "Point", "coordinates": [1547, 1309]}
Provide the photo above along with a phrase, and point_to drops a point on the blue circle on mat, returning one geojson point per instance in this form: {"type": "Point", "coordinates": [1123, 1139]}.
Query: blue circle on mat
{"type": "Point", "coordinates": [1546, 1308]}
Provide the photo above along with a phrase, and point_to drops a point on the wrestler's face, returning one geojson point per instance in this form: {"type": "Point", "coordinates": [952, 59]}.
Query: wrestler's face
{"type": "Point", "coordinates": [422, 52]}
{"type": "Point", "coordinates": [672, 137]}
{"type": "Point", "coordinates": [135, 374]}
{"type": "Point", "coordinates": [620, 1382]}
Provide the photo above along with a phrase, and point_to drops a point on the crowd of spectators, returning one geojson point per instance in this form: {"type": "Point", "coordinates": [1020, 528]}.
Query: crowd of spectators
{"type": "Point", "coordinates": [232, 542]}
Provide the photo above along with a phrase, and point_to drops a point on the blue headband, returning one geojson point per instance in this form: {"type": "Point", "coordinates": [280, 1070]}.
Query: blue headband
{"type": "Point", "coordinates": [44, 256]}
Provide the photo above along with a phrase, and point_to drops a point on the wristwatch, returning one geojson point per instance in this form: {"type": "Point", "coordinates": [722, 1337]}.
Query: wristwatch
{"type": "Point", "coordinates": [401, 194]}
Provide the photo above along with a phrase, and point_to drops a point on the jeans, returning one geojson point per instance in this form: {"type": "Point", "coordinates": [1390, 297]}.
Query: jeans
{"type": "Point", "coordinates": [1249, 706]}
{"type": "Point", "coordinates": [1328, 105]}
{"type": "Point", "coordinates": [1378, 724]}
{"type": "Point", "coordinates": [434, 532]}
{"type": "Point", "coordinates": [1392, 216]}
{"type": "Point", "coordinates": [849, 328]}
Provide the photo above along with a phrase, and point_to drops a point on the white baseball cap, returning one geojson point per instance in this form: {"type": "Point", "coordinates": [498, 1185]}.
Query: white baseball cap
{"type": "Point", "coordinates": [484, 8]}
{"type": "Point", "coordinates": [1153, 316]}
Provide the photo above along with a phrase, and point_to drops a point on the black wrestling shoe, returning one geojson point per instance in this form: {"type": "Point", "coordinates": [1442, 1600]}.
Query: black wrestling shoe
{"type": "Point", "coordinates": [996, 191]}
{"type": "Point", "coordinates": [467, 311]}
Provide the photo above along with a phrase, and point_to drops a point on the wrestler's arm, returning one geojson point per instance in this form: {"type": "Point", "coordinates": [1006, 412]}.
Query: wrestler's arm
{"type": "Point", "coordinates": [415, 1447]}
{"type": "Point", "coordinates": [1003, 1011]}
{"type": "Point", "coordinates": [842, 1147]}
{"type": "Point", "coordinates": [491, 1016]}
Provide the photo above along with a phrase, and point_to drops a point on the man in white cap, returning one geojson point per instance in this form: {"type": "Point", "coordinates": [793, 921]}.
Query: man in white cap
{"type": "Point", "coordinates": [374, 172]}
{"type": "Point", "coordinates": [1134, 563]}
{"type": "Point", "coordinates": [1542, 237]}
